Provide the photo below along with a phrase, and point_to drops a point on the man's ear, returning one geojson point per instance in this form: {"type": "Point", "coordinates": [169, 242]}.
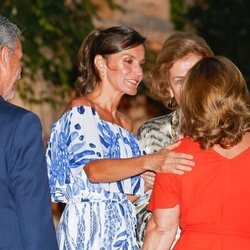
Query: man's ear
{"type": "Point", "coordinates": [4, 56]}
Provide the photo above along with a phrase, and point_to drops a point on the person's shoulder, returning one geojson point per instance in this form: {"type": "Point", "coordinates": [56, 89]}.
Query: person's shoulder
{"type": "Point", "coordinates": [15, 112]}
{"type": "Point", "coordinates": [80, 101]}
{"type": "Point", "coordinates": [188, 145]}
{"type": "Point", "coordinates": [78, 108]}
{"type": "Point", "coordinates": [151, 124]}
{"type": "Point", "coordinates": [10, 107]}
{"type": "Point", "coordinates": [156, 132]}
{"type": "Point", "coordinates": [158, 122]}
{"type": "Point", "coordinates": [16, 120]}
{"type": "Point", "coordinates": [79, 111]}
{"type": "Point", "coordinates": [162, 125]}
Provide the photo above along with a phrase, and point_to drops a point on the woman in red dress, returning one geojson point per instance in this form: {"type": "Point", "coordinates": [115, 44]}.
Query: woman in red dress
{"type": "Point", "coordinates": [212, 202]}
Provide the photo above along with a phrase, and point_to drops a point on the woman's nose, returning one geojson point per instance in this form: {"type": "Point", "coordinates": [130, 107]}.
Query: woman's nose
{"type": "Point", "coordinates": [138, 70]}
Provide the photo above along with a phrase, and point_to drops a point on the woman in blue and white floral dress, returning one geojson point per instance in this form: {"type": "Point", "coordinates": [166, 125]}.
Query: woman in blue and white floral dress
{"type": "Point", "coordinates": [94, 161]}
{"type": "Point", "coordinates": [96, 214]}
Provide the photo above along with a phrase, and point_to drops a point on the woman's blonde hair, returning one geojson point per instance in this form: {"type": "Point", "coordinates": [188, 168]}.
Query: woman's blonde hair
{"type": "Point", "coordinates": [215, 103]}
{"type": "Point", "coordinates": [177, 46]}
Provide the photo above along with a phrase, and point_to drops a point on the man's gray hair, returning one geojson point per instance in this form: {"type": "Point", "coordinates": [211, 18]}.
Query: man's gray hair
{"type": "Point", "coordinates": [9, 32]}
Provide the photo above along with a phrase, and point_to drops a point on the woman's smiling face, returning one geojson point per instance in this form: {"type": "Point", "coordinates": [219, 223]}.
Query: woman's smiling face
{"type": "Point", "coordinates": [124, 69]}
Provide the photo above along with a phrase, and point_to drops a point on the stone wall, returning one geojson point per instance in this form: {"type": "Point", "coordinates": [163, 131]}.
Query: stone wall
{"type": "Point", "coordinates": [151, 17]}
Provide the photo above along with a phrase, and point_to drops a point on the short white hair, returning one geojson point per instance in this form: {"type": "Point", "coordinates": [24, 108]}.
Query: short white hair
{"type": "Point", "coordinates": [9, 32]}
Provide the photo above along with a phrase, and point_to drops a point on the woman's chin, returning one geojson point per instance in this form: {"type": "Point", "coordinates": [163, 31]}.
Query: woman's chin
{"type": "Point", "coordinates": [131, 92]}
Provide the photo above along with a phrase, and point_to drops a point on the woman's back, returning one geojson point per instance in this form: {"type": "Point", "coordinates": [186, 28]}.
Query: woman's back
{"type": "Point", "coordinates": [214, 200]}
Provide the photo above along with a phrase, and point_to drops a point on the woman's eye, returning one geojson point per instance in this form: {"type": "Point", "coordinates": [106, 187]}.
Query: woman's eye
{"type": "Point", "coordinates": [129, 61]}
{"type": "Point", "coordinates": [180, 81]}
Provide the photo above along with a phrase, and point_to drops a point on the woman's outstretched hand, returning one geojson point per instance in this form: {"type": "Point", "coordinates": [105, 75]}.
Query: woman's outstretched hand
{"type": "Point", "coordinates": [167, 161]}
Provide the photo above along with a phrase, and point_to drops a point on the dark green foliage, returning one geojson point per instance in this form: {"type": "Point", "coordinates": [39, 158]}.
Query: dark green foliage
{"type": "Point", "coordinates": [52, 33]}
{"type": "Point", "coordinates": [225, 26]}
{"type": "Point", "coordinates": [177, 8]}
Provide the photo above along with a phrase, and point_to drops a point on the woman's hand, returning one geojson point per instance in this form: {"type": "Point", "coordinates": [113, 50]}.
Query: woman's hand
{"type": "Point", "coordinates": [167, 161]}
{"type": "Point", "coordinates": [132, 198]}
{"type": "Point", "coordinates": [149, 178]}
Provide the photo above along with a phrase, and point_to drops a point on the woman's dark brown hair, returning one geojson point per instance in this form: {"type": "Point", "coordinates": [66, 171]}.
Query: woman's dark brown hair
{"type": "Point", "coordinates": [102, 42]}
{"type": "Point", "coordinates": [215, 103]}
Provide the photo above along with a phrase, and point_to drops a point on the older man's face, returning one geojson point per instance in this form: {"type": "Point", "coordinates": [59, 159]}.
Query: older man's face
{"type": "Point", "coordinates": [13, 71]}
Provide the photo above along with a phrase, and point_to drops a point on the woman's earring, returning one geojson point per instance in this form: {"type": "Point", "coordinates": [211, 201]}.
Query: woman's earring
{"type": "Point", "coordinates": [103, 73]}
{"type": "Point", "coordinates": [170, 104]}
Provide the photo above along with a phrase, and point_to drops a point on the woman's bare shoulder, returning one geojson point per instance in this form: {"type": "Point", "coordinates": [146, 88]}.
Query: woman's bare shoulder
{"type": "Point", "coordinates": [80, 101]}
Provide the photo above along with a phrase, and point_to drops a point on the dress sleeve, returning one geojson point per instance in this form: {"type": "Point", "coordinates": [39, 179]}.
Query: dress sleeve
{"type": "Point", "coordinates": [166, 192]}
{"type": "Point", "coordinates": [73, 143]}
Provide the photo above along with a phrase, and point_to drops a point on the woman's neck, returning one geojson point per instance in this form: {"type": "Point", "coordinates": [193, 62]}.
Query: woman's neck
{"type": "Point", "coordinates": [105, 98]}
{"type": "Point", "coordinates": [236, 150]}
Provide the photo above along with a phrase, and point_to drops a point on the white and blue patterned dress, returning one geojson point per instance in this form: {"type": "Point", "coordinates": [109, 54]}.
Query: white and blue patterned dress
{"type": "Point", "coordinates": [97, 215]}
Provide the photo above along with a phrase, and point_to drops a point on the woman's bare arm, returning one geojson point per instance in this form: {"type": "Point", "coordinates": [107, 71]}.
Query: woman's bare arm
{"type": "Point", "coordinates": [161, 229]}
{"type": "Point", "coordinates": [165, 160]}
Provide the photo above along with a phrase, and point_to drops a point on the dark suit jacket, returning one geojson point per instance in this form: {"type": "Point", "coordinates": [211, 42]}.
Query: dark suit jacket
{"type": "Point", "coordinates": [25, 210]}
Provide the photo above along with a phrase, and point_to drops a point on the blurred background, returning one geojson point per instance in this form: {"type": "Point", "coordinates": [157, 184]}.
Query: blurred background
{"type": "Point", "coordinates": [53, 31]}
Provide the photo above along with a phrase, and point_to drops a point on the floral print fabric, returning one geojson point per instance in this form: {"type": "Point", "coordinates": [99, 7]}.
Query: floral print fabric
{"type": "Point", "coordinates": [97, 215]}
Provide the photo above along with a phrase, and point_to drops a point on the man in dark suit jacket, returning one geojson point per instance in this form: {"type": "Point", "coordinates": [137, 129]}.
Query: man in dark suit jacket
{"type": "Point", "coordinates": [25, 209]}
